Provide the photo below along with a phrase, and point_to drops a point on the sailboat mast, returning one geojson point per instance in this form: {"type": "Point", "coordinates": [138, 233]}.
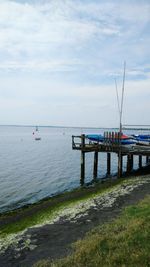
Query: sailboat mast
{"type": "Point", "coordinates": [117, 97]}
{"type": "Point", "coordinates": [122, 97]}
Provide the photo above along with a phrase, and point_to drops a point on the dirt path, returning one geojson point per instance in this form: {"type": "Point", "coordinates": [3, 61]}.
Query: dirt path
{"type": "Point", "coordinates": [53, 240]}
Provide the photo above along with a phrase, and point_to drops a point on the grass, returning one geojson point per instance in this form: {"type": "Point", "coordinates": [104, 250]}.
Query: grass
{"type": "Point", "coordinates": [30, 216]}
{"type": "Point", "coordinates": [125, 242]}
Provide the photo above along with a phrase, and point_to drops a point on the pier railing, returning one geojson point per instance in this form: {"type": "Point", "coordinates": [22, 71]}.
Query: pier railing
{"type": "Point", "coordinates": [111, 142]}
{"type": "Point", "coordinates": [112, 138]}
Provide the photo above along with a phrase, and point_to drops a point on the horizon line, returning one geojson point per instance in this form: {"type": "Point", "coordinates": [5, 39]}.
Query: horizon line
{"type": "Point", "coordinates": [57, 126]}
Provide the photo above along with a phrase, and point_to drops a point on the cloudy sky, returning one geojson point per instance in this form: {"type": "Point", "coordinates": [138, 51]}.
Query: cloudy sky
{"type": "Point", "coordinates": [59, 60]}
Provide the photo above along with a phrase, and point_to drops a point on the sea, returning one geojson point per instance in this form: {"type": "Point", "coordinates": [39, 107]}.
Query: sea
{"type": "Point", "coordinates": [33, 170]}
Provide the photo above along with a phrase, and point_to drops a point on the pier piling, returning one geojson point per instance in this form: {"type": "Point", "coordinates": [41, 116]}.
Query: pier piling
{"type": "Point", "coordinates": [129, 163]}
{"type": "Point", "coordinates": [147, 160]}
{"type": "Point", "coordinates": [120, 162]}
{"type": "Point", "coordinates": [108, 164]}
{"type": "Point", "coordinates": [95, 168]}
{"type": "Point", "coordinates": [140, 161]}
{"type": "Point", "coordinates": [82, 175]}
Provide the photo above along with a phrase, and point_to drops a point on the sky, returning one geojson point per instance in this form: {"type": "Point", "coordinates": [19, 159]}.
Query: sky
{"type": "Point", "coordinates": [59, 60]}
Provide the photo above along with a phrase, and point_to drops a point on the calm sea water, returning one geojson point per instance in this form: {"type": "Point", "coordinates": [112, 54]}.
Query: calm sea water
{"type": "Point", "coordinates": [31, 170]}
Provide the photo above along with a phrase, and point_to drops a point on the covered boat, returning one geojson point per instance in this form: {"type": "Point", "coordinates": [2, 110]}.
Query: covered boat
{"type": "Point", "coordinates": [95, 137]}
{"type": "Point", "coordinates": [142, 139]}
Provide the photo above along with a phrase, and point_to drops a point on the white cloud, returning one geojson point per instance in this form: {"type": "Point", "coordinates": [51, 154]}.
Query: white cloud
{"type": "Point", "coordinates": [35, 31]}
{"type": "Point", "coordinates": [63, 56]}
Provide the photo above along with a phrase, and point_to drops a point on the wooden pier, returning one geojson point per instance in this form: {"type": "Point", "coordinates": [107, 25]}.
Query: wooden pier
{"type": "Point", "coordinates": [111, 144]}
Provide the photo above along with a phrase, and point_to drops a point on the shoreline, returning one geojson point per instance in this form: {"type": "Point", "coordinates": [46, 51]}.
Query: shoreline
{"type": "Point", "coordinates": [56, 224]}
{"type": "Point", "coordinates": [87, 187]}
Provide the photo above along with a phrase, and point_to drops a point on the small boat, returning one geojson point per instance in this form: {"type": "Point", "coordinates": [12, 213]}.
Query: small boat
{"type": "Point", "coordinates": [36, 134]}
{"type": "Point", "coordinates": [95, 137]}
{"type": "Point", "coordinates": [143, 136]}
{"type": "Point", "coordinates": [141, 139]}
{"type": "Point", "coordinates": [127, 140]}
{"type": "Point", "coordinates": [37, 138]}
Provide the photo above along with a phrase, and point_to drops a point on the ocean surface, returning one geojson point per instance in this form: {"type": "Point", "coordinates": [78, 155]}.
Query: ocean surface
{"type": "Point", "coordinates": [32, 170]}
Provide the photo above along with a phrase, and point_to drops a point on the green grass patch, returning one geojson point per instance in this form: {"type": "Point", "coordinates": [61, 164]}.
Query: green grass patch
{"type": "Point", "coordinates": [124, 242]}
